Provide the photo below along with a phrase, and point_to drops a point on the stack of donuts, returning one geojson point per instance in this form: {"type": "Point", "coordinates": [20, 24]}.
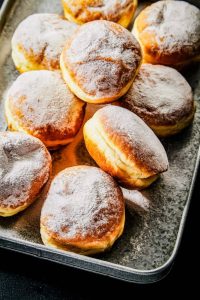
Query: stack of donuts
{"type": "Point", "coordinates": [128, 80]}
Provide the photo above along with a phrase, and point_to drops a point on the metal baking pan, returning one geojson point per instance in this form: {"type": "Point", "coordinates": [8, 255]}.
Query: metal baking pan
{"type": "Point", "coordinates": [150, 241]}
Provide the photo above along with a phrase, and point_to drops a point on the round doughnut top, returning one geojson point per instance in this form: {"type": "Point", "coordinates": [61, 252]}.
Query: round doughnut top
{"type": "Point", "coordinates": [24, 160]}
{"type": "Point", "coordinates": [160, 95]}
{"type": "Point", "coordinates": [170, 28]}
{"type": "Point", "coordinates": [42, 37]}
{"type": "Point", "coordinates": [83, 204]}
{"type": "Point", "coordinates": [132, 137]}
{"type": "Point", "coordinates": [42, 102]}
{"type": "Point", "coordinates": [102, 57]}
{"type": "Point", "coordinates": [90, 10]}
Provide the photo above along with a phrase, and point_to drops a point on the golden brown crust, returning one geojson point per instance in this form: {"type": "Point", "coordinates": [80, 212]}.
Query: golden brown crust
{"type": "Point", "coordinates": [169, 32]}
{"type": "Point", "coordinates": [116, 169]}
{"type": "Point", "coordinates": [100, 61]}
{"type": "Point", "coordinates": [84, 211]}
{"type": "Point", "coordinates": [160, 96]}
{"type": "Point", "coordinates": [124, 146]}
{"type": "Point", "coordinates": [40, 103]}
{"type": "Point", "coordinates": [25, 165]}
{"type": "Point", "coordinates": [38, 41]}
{"type": "Point", "coordinates": [90, 10]}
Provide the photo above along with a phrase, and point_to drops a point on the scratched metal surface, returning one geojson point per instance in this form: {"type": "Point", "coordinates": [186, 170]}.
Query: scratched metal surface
{"type": "Point", "coordinates": [149, 239]}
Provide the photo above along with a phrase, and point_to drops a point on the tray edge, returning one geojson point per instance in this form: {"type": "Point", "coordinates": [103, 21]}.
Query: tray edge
{"type": "Point", "coordinates": [101, 267]}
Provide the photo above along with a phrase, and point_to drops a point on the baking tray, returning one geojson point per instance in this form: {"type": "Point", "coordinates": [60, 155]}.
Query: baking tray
{"type": "Point", "coordinates": [150, 241]}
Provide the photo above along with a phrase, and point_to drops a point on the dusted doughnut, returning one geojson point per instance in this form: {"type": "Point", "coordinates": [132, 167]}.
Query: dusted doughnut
{"type": "Point", "coordinates": [100, 62]}
{"type": "Point", "coordinates": [38, 42]}
{"type": "Point", "coordinates": [25, 165]}
{"type": "Point", "coordinates": [162, 97]}
{"type": "Point", "coordinates": [40, 103]}
{"type": "Point", "coordinates": [169, 33]}
{"type": "Point", "coordinates": [136, 202]}
{"type": "Point", "coordinates": [117, 11]}
{"type": "Point", "coordinates": [125, 147]}
{"type": "Point", "coordinates": [83, 212]}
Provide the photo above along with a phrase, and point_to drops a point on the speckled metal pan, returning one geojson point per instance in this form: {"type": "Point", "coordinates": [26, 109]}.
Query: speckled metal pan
{"type": "Point", "coordinates": [150, 241]}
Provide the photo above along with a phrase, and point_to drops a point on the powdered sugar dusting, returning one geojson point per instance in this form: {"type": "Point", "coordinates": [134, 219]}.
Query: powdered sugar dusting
{"type": "Point", "coordinates": [136, 201]}
{"type": "Point", "coordinates": [103, 57]}
{"type": "Point", "coordinates": [82, 202]}
{"type": "Point", "coordinates": [159, 95]}
{"type": "Point", "coordinates": [149, 241]}
{"type": "Point", "coordinates": [43, 36]}
{"type": "Point", "coordinates": [23, 161]}
{"type": "Point", "coordinates": [177, 27]}
{"type": "Point", "coordinates": [44, 100]}
{"type": "Point", "coordinates": [111, 10]}
{"type": "Point", "coordinates": [130, 132]}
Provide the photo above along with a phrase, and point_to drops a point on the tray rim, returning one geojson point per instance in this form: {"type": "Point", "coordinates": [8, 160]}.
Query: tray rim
{"type": "Point", "coordinates": [92, 264]}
